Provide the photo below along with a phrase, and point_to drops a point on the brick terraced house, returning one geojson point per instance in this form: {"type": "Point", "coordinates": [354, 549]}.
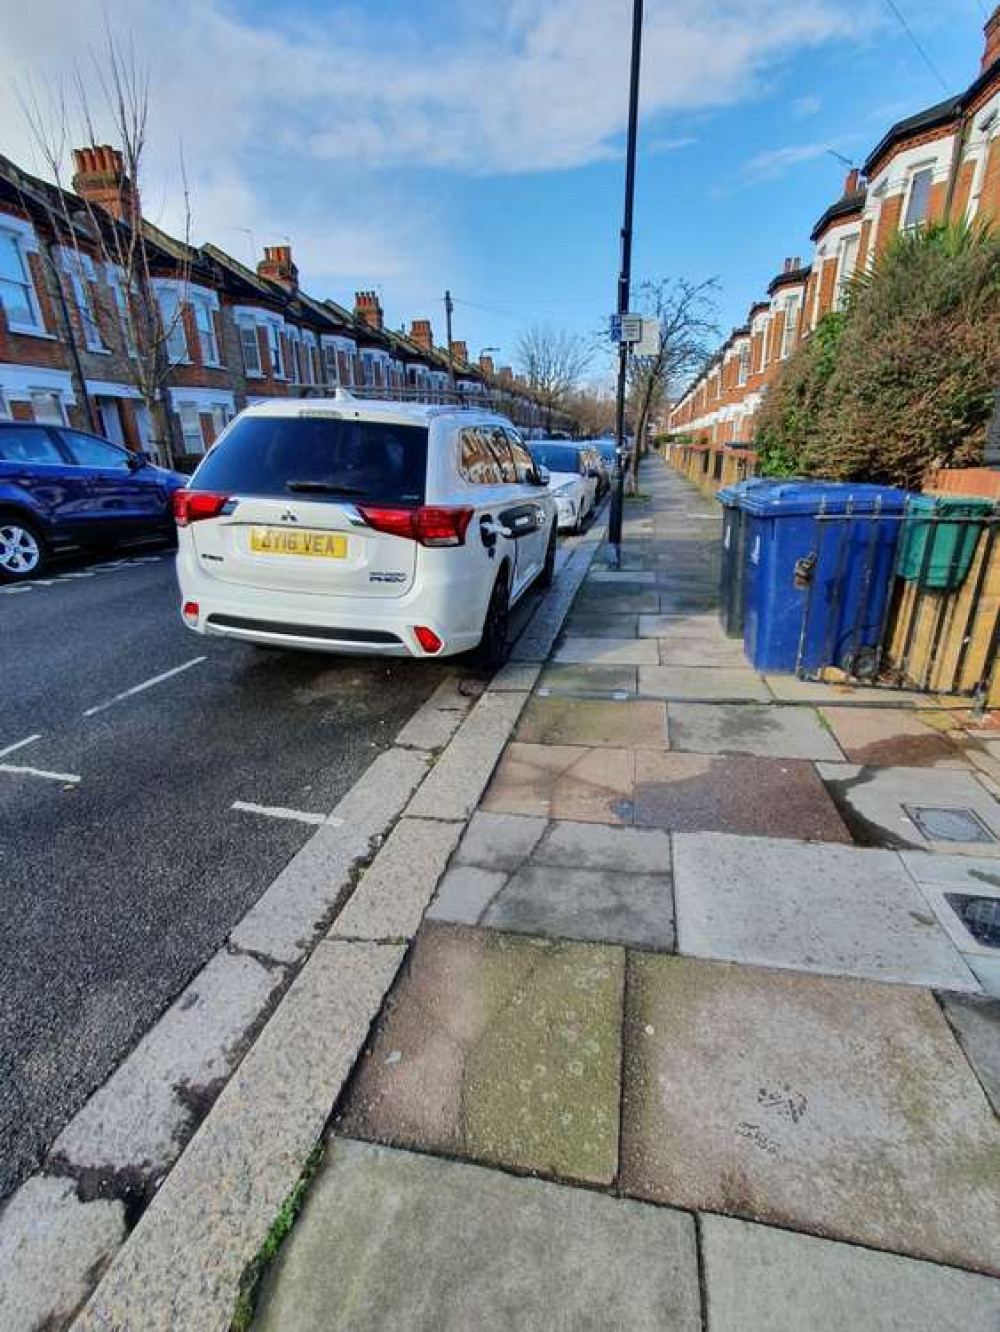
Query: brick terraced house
{"type": "Point", "coordinates": [941, 164]}
{"type": "Point", "coordinates": [228, 336]}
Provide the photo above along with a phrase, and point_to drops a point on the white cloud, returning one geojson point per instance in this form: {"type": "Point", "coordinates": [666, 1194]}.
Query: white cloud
{"type": "Point", "coordinates": [810, 105]}
{"type": "Point", "coordinates": [655, 147]}
{"type": "Point", "coordinates": [312, 123]}
{"type": "Point", "coordinates": [777, 162]}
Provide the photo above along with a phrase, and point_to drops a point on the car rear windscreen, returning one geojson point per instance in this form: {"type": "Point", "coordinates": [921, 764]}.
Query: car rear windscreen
{"type": "Point", "coordinates": [556, 457]}
{"type": "Point", "coordinates": [319, 458]}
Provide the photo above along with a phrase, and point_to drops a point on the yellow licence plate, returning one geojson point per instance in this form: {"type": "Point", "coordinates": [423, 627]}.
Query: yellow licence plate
{"type": "Point", "coordinates": [283, 541]}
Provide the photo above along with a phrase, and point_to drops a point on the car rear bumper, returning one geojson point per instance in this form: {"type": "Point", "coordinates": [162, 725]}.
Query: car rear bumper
{"type": "Point", "coordinates": [343, 625]}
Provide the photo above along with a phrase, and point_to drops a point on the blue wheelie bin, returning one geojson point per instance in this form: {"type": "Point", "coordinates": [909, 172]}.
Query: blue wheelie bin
{"type": "Point", "coordinates": [732, 565]}
{"type": "Point", "coordinates": [819, 563]}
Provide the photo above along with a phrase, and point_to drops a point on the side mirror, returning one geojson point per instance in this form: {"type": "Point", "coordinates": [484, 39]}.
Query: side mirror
{"type": "Point", "coordinates": [542, 476]}
{"type": "Point", "coordinates": [137, 460]}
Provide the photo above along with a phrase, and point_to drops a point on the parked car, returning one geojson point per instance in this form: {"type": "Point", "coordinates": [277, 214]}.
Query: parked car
{"type": "Point", "coordinates": [572, 481]}
{"type": "Point", "coordinates": [61, 487]}
{"type": "Point", "coordinates": [351, 526]}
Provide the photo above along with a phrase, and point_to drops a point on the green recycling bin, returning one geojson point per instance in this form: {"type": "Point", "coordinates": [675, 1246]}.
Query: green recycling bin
{"type": "Point", "coordinates": [939, 538]}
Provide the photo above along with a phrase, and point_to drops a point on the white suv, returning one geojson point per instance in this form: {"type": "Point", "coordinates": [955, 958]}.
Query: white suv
{"type": "Point", "coordinates": [344, 525]}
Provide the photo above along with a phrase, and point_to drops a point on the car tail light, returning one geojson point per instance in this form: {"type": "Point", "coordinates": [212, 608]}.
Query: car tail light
{"type": "Point", "coordinates": [190, 506]}
{"type": "Point", "coordinates": [190, 612]}
{"type": "Point", "coordinates": [430, 525]}
{"type": "Point", "coordinates": [427, 638]}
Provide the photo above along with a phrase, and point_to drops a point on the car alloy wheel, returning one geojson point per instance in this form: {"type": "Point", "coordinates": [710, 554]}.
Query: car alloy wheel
{"type": "Point", "coordinates": [20, 550]}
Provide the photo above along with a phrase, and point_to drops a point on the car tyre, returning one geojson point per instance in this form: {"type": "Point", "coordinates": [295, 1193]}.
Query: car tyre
{"type": "Point", "coordinates": [548, 575]}
{"type": "Point", "coordinates": [494, 646]}
{"type": "Point", "coordinates": [23, 553]}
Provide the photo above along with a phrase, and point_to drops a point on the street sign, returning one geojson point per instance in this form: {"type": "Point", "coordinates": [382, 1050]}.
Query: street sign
{"type": "Point", "coordinates": [631, 328]}
{"type": "Point", "coordinates": [649, 343]}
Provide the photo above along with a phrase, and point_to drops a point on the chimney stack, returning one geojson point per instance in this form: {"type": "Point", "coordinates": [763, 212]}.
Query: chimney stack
{"type": "Point", "coordinates": [368, 308]}
{"type": "Point", "coordinates": [100, 179]}
{"type": "Point", "coordinates": [421, 334]}
{"type": "Point", "coordinates": [851, 182]}
{"type": "Point", "coordinates": [460, 352]}
{"type": "Point", "coordinates": [991, 31]}
{"type": "Point", "coordinates": [486, 365]}
{"type": "Point", "coordinates": [506, 374]}
{"type": "Point", "coordinates": [277, 266]}
{"type": "Point", "coordinates": [788, 266]}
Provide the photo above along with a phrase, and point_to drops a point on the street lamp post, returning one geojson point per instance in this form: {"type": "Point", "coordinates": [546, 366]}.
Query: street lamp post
{"type": "Point", "coordinates": [625, 283]}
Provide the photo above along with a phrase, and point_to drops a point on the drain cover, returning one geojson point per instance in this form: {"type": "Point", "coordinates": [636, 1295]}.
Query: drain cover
{"type": "Point", "coordinates": [979, 915]}
{"type": "Point", "coordinates": [949, 824]}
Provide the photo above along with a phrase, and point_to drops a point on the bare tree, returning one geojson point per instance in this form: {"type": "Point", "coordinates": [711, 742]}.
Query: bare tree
{"type": "Point", "coordinates": [553, 362]}
{"type": "Point", "coordinates": [686, 313]}
{"type": "Point", "coordinates": [128, 248]}
{"type": "Point", "coordinates": [592, 408]}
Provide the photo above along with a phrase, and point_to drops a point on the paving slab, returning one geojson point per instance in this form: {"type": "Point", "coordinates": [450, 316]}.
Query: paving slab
{"type": "Point", "coordinates": [51, 1247]}
{"type": "Point", "coordinates": [599, 846]}
{"type": "Point", "coordinates": [602, 626]}
{"type": "Point", "coordinates": [500, 1048]}
{"type": "Point", "coordinates": [962, 891]}
{"type": "Point", "coordinates": [559, 902]}
{"type": "Point", "coordinates": [606, 652]}
{"type": "Point", "coordinates": [455, 783]}
{"type": "Point", "coordinates": [717, 684]}
{"type": "Point", "coordinates": [618, 599]}
{"type": "Point", "coordinates": [627, 577]}
{"type": "Point", "coordinates": [390, 1239]}
{"type": "Point", "coordinates": [706, 652]}
{"type": "Point", "coordinates": [621, 724]}
{"type": "Point", "coordinates": [977, 1022]}
{"type": "Point", "coordinates": [734, 793]}
{"type": "Point", "coordinates": [891, 738]}
{"type": "Point", "coordinates": [759, 1279]}
{"type": "Point", "coordinates": [140, 1118]}
{"type": "Point", "coordinates": [837, 1107]}
{"type": "Point", "coordinates": [839, 910]}
{"type": "Point", "coordinates": [987, 972]}
{"type": "Point", "coordinates": [225, 1191]}
{"type": "Point", "coordinates": [390, 900]}
{"type": "Point", "coordinates": [564, 782]}
{"type": "Point", "coordinates": [499, 841]}
{"type": "Point", "coordinates": [790, 689]}
{"type": "Point", "coordinates": [695, 624]}
{"type": "Point", "coordinates": [749, 728]}
{"type": "Point", "coordinates": [880, 806]}
{"type": "Point", "coordinates": [589, 681]}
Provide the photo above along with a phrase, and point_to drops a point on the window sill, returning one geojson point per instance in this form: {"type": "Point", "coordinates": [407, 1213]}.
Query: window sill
{"type": "Point", "coordinates": [30, 331]}
{"type": "Point", "coordinates": [254, 374]}
{"type": "Point", "coordinates": [98, 351]}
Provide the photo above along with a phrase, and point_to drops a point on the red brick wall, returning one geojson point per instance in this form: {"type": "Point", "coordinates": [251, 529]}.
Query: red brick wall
{"type": "Point", "coordinates": [888, 221]}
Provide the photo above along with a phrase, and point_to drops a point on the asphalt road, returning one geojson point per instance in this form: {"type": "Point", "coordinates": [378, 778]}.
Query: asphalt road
{"type": "Point", "coordinates": [118, 887]}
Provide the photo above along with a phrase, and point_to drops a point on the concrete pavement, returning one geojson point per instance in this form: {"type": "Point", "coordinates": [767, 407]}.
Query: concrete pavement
{"type": "Point", "coordinates": [682, 955]}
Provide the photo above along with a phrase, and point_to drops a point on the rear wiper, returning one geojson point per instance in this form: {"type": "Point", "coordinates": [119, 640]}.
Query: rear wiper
{"type": "Point", "coordinates": [323, 488]}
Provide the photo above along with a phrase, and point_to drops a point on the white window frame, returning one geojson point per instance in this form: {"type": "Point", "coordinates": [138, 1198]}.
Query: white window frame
{"type": "Point", "coordinates": [221, 416]}
{"type": "Point", "coordinates": [22, 236]}
{"type": "Point", "coordinates": [117, 285]}
{"type": "Point", "coordinates": [4, 407]}
{"type": "Point", "coordinates": [791, 305]}
{"type": "Point", "coordinates": [274, 347]}
{"type": "Point", "coordinates": [202, 307]}
{"type": "Point", "coordinates": [80, 273]}
{"type": "Point", "coordinates": [331, 363]}
{"type": "Point", "coordinates": [56, 397]}
{"type": "Point", "coordinates": [181, 407]}
{"type": "Point", "coordinates": [919, 169]}
{"type": "Point", "coordinates": [844, 274]}
{"type": "Point", "coordinates": [742, 364]}
{"type": "Point", "coordinates": [172, 317]}
{"type": "Point", "coordinates": [248, 335]}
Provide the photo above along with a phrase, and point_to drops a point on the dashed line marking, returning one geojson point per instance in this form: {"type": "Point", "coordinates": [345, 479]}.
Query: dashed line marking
{"type": "Point", "coordinates": [73, 778]}
{"type": "Point", "coordinates": [146, 684]}
{"type": "Point", "coordinates": [280, 812]}
{"type": "Point", "coordinates": [20, 744]}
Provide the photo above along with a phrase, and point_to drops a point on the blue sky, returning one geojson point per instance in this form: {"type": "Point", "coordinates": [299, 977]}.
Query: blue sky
{"type": "Point", "coordinates": [410, 145]}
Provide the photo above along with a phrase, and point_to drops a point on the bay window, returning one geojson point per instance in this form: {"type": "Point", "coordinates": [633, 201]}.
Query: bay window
{"type": "Point", "coordinates": [204, 321]}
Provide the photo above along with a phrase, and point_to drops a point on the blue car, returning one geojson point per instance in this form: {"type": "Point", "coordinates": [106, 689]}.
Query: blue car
{"type": "Point", "coordinates": [61, 487]}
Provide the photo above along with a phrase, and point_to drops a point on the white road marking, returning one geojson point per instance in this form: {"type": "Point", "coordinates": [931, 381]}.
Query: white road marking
{"type": "Point", "coordinates": [73, 777]}
{"type": "Point", "coordinates": [279, 812]}
{"type": "Point", "coordinates": [146, 684]}
{"type": "Point", "coordinates": [19, 744]}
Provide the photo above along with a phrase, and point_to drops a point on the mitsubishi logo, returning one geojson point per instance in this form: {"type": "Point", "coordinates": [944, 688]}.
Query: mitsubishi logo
{"type": "Point", "coordinates": [288, 517]}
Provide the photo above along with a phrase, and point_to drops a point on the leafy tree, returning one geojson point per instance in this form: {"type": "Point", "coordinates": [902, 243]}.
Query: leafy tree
{"type": "Point", "coordinates": [903, 381]}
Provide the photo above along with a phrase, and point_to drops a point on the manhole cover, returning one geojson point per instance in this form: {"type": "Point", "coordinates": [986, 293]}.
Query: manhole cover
{"type": "Point", "coordinates": [949, 825]}
{"type": "Point", "coordinates": [979, 915]}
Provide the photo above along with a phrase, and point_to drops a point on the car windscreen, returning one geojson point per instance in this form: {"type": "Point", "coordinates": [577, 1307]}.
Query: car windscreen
{"type": "Point", "coordinates": [318, 457]}
{"type": "Point", "coordinates": [556, 457]}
